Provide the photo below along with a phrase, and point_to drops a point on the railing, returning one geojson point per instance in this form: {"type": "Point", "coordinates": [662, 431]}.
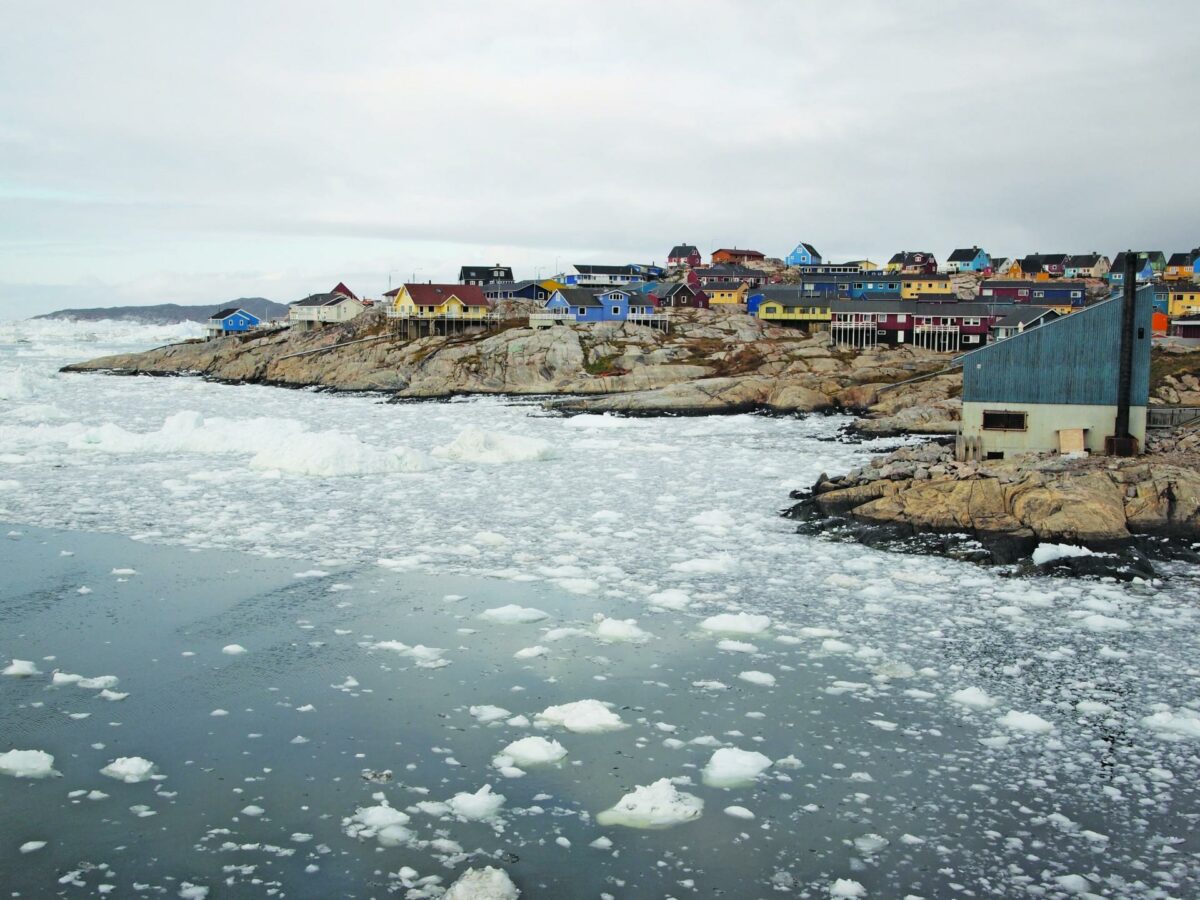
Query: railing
{"type": "Point", "coordinates": [648, 318]}
{"type": "Point", "coordinates": [1170, 416]}
{"type": "Point", "coordinates": [546, 318]}
{"type": "Point", "coordinates": [392, 313]}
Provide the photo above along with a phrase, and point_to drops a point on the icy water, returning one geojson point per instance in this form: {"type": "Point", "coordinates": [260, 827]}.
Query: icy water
{"type": "Point", "coordinates": [292, 590]}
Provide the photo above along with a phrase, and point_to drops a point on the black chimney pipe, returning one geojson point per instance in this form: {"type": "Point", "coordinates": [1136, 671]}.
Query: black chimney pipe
{"type": "Point", "coordinates": [1125, 372]}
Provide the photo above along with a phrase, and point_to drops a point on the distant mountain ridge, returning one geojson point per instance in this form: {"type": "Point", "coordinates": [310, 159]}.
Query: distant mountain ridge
{"type": "Point", "coordinates": [170, 313]}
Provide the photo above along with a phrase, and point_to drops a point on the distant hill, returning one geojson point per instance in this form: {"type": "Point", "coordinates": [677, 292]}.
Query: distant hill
{"type": "Point", "coordinates": [170, 313]}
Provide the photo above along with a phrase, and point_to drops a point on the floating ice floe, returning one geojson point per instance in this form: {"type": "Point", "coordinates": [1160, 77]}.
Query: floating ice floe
{"type": "Point", "coordinates": [736, 623]}
{"type": "Point", "coordinates": [475, 445]}
{"type": "Point", "coordinates": [381, 822]}
{"type": "Point", "coordinates": [657, 805]}
{"type": "Point", "coordinates": [764, 679]}
{"type": "Point", "coordinates": [973, 697]}
{"type": "Point", "coordinates": [32, 846]}
{"type": "Point", "coordinates": [481, 806]}
{"type": "Point", "coordinates": [131, 770]}
{"type": "Point", "coordinates": [844, 888]}
{"type": "Point", "coordinates": [485, 713]}
{"type": "Point", "coordinates": [738, 812]}
{"type": "Point", "coordinates": [1023, 721]}
{"type": "Point", "coordinates": [531, 652]}
{"type": "Point", "coordinates": [233, 649]}
{"type": "Point", "coordinates": [27, 764]}
{"type": "Point", "coordinates": [513, 615]}
{"type": "Point", "coordinates": [581, 716]}
{"type": "Point", "coordinates": [487, 883]}
{"type": "Point", "coordinates": [528, 752]}
{"type": "Point", "coordinates": [620, 630]}
{"type": "Point", "coordinates": [424, 657]}
{"type": "Point", "coordinates": [721, 564]}
{"type": "Point", "coordinates": [730, 767]}
{"type": "Point", "coordinates": [21, 668]}
{"type": "Point", "coordinates": [671, 598]}
{"type": "Point", "coordinates": [1174, 724]}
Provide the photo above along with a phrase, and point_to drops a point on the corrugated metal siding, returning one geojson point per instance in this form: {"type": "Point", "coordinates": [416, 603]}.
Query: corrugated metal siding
{"type": "Point", "coordinates": [1070, 360]}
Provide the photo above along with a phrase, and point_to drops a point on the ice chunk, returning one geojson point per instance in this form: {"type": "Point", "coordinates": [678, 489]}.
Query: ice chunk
{"type": "Point", "coordinates": [736, 623]}
{"type": "Point", "coordinates": [487, 883]}
{"type": "Point", "coordinates": [513, 615]}
{"type": "Point", "coordinates": [846, 887]}
{"type": "Point", "coordinates": [766, 679]}
{"type": "Point", "coordinates": [425, 657]}
{"type": "Point", "coordinates": [381, 822]}
{"type": "Point", "coordinates": [738, 812]}
{"type": "Point", "coordinates": [657, 805]}
{"type": "Point", "coordinates": [1099, 623]}
{"type": "Point", "coordinates": [721, 564]}
{"type": "Point", "coordinates": [1184, 723]}
{"type": "Point", "coordinates": [672, 598]}
{"type": "Point", "coordinates": [32, 846]}
{"type": "Point", "coordinates": [869, 844]}
{"type": "Point", "coordinates": [729, 767]}
{"type": "Point", "coordinates": [485, 713]}
{"type": "Point", "coordinates": [975, 698]}
{"type": "Point", "coordinates": [736, 646]}
{"type": "Point", "coordinates": [27, 764]}
{"type": "Point", "coordinates": [477, 807]}
{"type": "Point", "coordinates": [622, 630]}
{"type": "Point", "coordinates": [253, 811]}
{"type": "Point", "coordinates": [130, 769]}
{"type": "Point", "coordinates": [581, 716]}
{"type": "Point", "coordinates": [530, 751]}
{"type": "Point", "coordinates": [233, 649]}
{"type": "Point", "coordinates": [1023, 721]}
{"type": "Point", "coordinates": [189, 891]}
{"type": "Point", "coordinates": [531, 652]}
{"type": "Point", "coordinates": [1050, 552]}
{"type": "Point", "coordinates": [21, 668]}
{"type": "Point", "coordinates": [475, 445]}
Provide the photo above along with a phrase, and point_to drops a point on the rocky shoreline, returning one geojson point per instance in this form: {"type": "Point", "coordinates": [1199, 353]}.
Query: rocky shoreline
{"type": "Point", "coordinates": [711, 362]}
{"type": "Point", "coordinates": [918, 498]}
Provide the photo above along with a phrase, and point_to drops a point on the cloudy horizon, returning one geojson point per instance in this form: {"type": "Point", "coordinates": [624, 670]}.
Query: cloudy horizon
{"type": "Point", "coordinates": [156, 154]}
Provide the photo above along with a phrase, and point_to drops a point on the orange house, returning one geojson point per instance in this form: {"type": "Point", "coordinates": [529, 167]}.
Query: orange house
{"type": "Point", "coordinates": [742, 257]}
{"type": "Point", "coordinates": [1159, 323]}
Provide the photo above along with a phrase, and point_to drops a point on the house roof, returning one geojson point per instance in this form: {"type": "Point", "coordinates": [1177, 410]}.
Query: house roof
{"type": "Point", "coordinates": [1053, 259]}
{"type": "Point", "coordinates": [1082, 260]}
{"type": "Point", "coordinates": [1175, 287]}
{"type": "Point", "coordinates": [330, 299]}
{"type": "Point", "coordinates": [735, 252]}
{"type": "Point", "coordinates": [1118, 263]}
{"type": "Point", "coordinates": [1180, 259]}
{"type": "Point", "coordinates": [931, 276]}
{"type": "Point", "coordinates": [964, 255]}
{"type": "Point", "coordinates": [680, 251]}
{"type": "Point", "coordinates": [726, 286]}
{"type": "Point", "coordinates": [504, 286]}
{"type": "Point", "coordinates": [730, 270]}
{"type": "Point", "coordinates": [909, 256]}
{"type": "Point", "coordinates": [1059, 285]}
{"type": "Point", "coordinates": [581, 296]}
{"type": "Point", "coordinates": [809, 248]}
{"type": "Point", "coordinates": [340, 288]}
{"type": "Point", "coordinates": [607, 270]}
{"type": "Point", "coordinates": [227, 312]}
{"type": "Point", "coordinates": [436, 294]}
{"type": "Point", "coordinates": [478, 272]}
{"type": "Point", "coordinates": [999, 261]}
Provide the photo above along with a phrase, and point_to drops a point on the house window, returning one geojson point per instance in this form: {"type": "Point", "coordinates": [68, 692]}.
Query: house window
{"type": "Point", "coordinates": [581, 311]}
{"type": "Point", "coordinates": [1002, 420]}
{"type": "Point", "coordinates": [1039, 293]}
{"type": "Point", "coordinates": [1076, 293]}
{"type": "Point", "coordinates": [970, 321]}
{"type": "Point", "coordinates": [1024, 292]}
{"type": "Point", "coordinates": [902, 318]}
{"type": "Point", "coordinates": [970, 339]}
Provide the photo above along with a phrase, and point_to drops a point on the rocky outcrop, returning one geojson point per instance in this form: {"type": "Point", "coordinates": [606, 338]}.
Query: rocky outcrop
{"type": "Point", "coordinates": [715, 361]}
{"type": "Point", "coordinates": [1010, 506]}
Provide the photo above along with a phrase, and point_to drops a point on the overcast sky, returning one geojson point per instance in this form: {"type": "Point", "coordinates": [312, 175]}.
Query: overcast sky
{"type": "Point", "coordinates": [161, 152]}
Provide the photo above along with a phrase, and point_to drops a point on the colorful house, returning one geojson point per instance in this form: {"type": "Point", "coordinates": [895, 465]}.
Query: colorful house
{"type": "Point", "coordinates": [913, 262]}
{"type": "Point", "coordinates": [1183, 299]}
{"type": "Point", "coordinates": [1021, 319]}
{"type": "Point", "coordinates": [726, 292]}
{"type": "Point", "coordinates": [231, 320]}
{"type": "Point", "coordinates": [730, 272]}
{"type": "Point", "coordinates": [1158, 261]}
{"type": "Point", "coordinates": [339, 305]}
{"type": "Point", "coordinates": [684, 255]}
{"type": "Point", "coordinates": [1036, 293]}
{"type": "Point", "coordinates": [441, 301]}
{"type": "Point", "coordinates": [538, 291]}
{"type": "Point", "coordinates": [1181, 266]}
{"type": "Point", "coordinates": [1086, 265]}
{"type": "Point", "coordinates": [873, 287]}
{"type": "Point", "coordinates": [1056, 387]}
{"type": "Point", "coordinates": [591, 305]}
{"type": "Point", "coordinates": [1188, 327]}
{"type": "Point", "coordinates": [482, 275]}
{"type": "Point", "coordinates": [804, 255]}
{"type": "Point", "coordinates": [1144, 269]}
{"type": "Point", "coordinates": [931, 287]}
{"type": "Point", "coordinates": [680, 295]}
{"type": "Point", "coordinates": [1000, 264]}
{"type": "Point", "coordinates": [597, 276]}
{"type": "Point", "coordinates": [735, 256]}
{"type": "Point", "coordinates": [792, 305]}
{"type": "Point", "coordinates": [969, 259]}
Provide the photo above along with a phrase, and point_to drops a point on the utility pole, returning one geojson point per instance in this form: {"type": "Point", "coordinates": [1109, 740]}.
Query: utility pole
{"type": "Point", "coordinates": [1123, 440]}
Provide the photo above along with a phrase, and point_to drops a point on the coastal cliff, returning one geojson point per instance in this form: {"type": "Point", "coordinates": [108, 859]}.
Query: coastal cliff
{"type": "Point", "coordinates": [718, 361]}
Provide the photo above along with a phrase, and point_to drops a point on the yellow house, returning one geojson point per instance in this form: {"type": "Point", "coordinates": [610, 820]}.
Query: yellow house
{"type": "Point", "coordinates": [1183, 300]}
{"type": "Point", "coordinates": [913, 286]}
{"type": "Point", "coordinates": [441, 301]}
{"type": "Point", "coordinates": [1012, 270]}
{"type": "Point", "coordinates": [1180, 267]}
{"type": "Point", "coordinates": [726, 293]}
{"type": "Point", "coordinates": [791, 307]}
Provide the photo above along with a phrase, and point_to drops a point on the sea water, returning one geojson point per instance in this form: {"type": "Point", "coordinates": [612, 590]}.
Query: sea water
{"type": "Point", "coordinates": [328, 618]}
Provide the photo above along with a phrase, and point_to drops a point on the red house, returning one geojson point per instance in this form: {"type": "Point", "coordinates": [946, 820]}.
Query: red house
{"type": "Point", "coordinates": [683, 255]}
{"type": "Point", "coordinates": [735, 256]}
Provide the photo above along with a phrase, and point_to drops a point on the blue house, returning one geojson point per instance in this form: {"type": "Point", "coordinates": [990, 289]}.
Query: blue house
{"type": "Point", "coordinates": [230, 321]}
{"type": "Point", "coordinates": [1145, 270]}
{"type": "Point", "coordinates": [581, 275]}
{"type": "Point", "coordinates": [804, 255]}
{"type": "Point", "coordinates": [517, 290]}
{"type": "Point", "coordinates": [1055, 293]}
{"type": "Point", "coordinates": [875, 287]}
{"type": "Point", "coordinates": [968, 259]}
{"type": "Point", "coordinates": [591, 305]}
